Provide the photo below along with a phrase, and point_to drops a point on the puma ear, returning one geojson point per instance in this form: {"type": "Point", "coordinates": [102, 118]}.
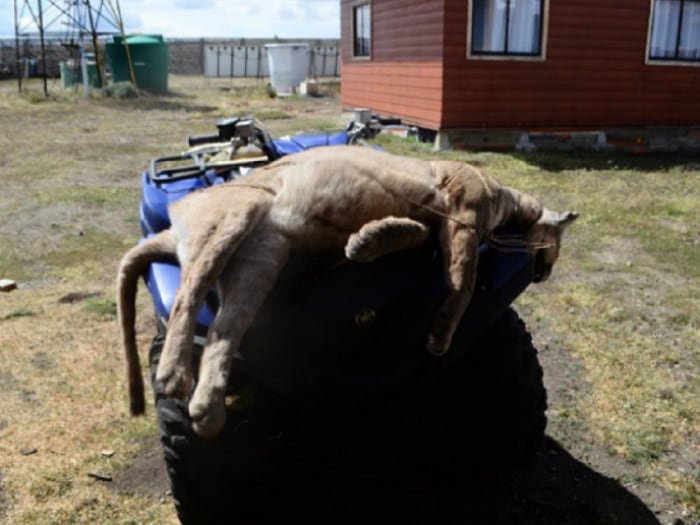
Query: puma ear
{"type": "Point", "coordinates": [560, 219]}
{"type": "Point", "coordinates": [566, 218]}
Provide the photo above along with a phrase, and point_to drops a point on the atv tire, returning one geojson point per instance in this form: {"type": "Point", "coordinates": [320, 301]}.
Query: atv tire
{"type": "Point", "coordinates": [487, 413]}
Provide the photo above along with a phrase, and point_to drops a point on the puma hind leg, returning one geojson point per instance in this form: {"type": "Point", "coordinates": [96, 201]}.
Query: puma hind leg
{"type": "Point", "coordinates": [243, 286]}
{"type": "Point", "coordinates": [208, 256]}
{"type": "Point", "coordinates": [384, 236]}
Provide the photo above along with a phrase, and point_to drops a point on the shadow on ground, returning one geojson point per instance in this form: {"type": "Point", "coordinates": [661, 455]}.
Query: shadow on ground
{"type": "Point", "coordinates": [556, 161]}
{"type": "Point", "coordinates": [554, 489]}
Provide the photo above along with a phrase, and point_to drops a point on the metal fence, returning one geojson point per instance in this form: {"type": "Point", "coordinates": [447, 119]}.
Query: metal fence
{"type": "Point", "coordinates": [209, 57]}
{"type": "Point", "coordinates": [252, 61]}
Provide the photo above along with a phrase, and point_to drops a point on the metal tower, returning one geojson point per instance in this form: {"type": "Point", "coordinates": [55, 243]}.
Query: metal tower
{"type": "Point", "coordinates": [73, 23]}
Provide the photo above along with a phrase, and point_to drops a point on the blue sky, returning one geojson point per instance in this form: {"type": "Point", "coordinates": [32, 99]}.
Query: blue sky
{"type": "Point", "coordinates": [204, 18]}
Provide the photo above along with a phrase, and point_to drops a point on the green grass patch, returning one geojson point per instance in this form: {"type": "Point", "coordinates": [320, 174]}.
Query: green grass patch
{"type": "Point", "coordinates": [272, 114]}
{"type": "Point", "coordinates": [15, 314]}
{"type": "Point", "coordinates": [65, 254]}
{"type": "Point", "coordinates": [646, 447]}
{"type": "Point", "coordinates": [121, 91]}
{"type": "Point", "coordinates": [51, 486]}
{"type": "Point", "coordinates": [100, 306]}
{"type": "Point", "coordinates": [676, 253]}
{"type": "Point", "coordinates": [88, 196]}
{"type": "Point", "coordinates": [311, 124]}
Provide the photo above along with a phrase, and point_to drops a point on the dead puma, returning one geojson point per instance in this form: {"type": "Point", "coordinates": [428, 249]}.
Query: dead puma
{"type": "Point", "coordinates": [326, 202]}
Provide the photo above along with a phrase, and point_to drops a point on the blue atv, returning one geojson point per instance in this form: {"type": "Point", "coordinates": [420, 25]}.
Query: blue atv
{"type": "Point", "coordinates": [339, 389]}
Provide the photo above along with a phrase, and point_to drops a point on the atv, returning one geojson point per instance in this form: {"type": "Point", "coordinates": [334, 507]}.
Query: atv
{"type": "Point", "coordinates": [337, 388]}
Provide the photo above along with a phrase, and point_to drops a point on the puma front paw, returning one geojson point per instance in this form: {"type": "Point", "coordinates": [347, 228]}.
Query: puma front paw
{"type": "Point", "coordinates": [384, 236]}
{"type": "Point", "coordinates": [437, 346]}
{"type": "Point", "coordinates": [208, 418]}
{"type": "Point", "coordinates": [176, 380]}
{"type": "Point", "coordinates": [361, 248]}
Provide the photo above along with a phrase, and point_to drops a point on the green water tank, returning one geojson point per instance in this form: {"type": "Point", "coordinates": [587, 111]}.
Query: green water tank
{"type": "Point", "coordinates": [150, 57]}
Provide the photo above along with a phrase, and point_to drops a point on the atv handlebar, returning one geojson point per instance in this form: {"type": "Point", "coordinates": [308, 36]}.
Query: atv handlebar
{"type": "Point", "coordinates": [198, 140]}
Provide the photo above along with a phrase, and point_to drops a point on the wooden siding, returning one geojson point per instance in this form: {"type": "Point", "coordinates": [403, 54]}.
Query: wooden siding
{"type": "Point", "coordinates": [411, 90]}
{"type": "Point", "coordinates": [403, 77]}
{"type": "Point", "coordinates": [594, 75]}
{"type": "Point", "coordinates": [401, 30]}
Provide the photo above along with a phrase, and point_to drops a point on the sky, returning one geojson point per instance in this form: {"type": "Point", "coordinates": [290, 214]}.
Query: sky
{"type": "Point", "coordinates": [197, 18]}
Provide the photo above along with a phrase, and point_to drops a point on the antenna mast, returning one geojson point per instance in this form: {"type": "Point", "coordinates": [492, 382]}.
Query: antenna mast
{"type": "Point", "coordinates": [72, 23]}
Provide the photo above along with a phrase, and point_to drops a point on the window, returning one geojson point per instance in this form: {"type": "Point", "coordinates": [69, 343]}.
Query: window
{"type": "Point", "coordinates": [507, 27]}
{"type": "Point", "coordinates": [675, 30]}
{"type": "Point", "coordinates": [362, 30]}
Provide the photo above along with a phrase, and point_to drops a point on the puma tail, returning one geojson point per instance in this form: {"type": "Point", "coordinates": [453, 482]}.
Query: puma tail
{"type": "Point", "coordinates": [133, 265]}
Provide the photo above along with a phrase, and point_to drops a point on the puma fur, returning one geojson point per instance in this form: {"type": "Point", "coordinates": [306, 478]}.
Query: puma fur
{"type": "Point", "coordinates": [327, 202]}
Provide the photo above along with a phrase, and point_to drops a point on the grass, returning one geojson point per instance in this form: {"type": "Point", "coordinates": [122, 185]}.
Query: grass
{"type": "Point", "coordinates": [628, 311]}
{"type": "Point", "coordinates": [623, 301]}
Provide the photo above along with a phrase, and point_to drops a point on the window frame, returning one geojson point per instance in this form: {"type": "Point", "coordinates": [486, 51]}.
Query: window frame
{"type": "Point", "coordinates": [354, 7]}
{"type": "Point", "coordinates": [670, 61]}
{"type": "Point", "coordinates": [498, 55]}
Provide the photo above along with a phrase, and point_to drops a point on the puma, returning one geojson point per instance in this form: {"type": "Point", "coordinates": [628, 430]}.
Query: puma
{"type": "Point", "coordinates": [327, 202]}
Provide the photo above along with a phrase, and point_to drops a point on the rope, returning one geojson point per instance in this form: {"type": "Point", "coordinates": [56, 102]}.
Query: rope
{"type": "Point", "coordinates": [514, 244]}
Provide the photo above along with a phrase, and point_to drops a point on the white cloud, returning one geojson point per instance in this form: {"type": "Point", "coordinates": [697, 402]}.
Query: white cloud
{"type": "Point", "coordinates": [227, 18]}
{"type": "Point", "coordinates": [195, 4]}
{"type": "Point", "coordinates": [219, 18]}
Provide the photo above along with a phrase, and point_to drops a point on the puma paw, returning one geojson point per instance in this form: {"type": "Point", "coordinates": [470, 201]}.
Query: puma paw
{"type": "Point", "coordinates": [361, 248]}
{"type": "Point", "coordinates": [437, 346]}
{"type": "Point", "coordinates": [176, 381]}
{"type": "Point", "coordinates": [207, 418]}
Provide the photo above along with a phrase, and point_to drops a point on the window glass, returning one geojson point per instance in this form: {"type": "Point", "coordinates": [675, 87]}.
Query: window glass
{"type": "Point", "coordinates": [361, 30]}
{"type": "Point", "coordinates": [506, 27]}
{"type": "Point", "coordinates": [524, 27]}
{"type": "Point", "coordinates": [664, 34]}
{"type": "Point", "coordinates": [489, 26]}
{"type": "Point", "coordinates": [675, 30]}
{"type": "Point", "coordinates": [689, 45]}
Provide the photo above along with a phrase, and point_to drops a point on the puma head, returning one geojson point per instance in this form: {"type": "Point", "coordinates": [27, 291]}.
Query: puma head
{"type": "Point", "coordinates": [544, 239]}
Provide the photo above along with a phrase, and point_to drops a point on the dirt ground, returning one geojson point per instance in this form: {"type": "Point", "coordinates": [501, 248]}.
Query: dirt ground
{"type": "Point", "coordinates": [69, 209]}
{"type": "Point", "coordinates": [555, 489]}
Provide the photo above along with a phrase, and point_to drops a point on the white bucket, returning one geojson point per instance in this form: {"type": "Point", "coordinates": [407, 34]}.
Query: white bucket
{"type": "Point", "coordinates": [289, 64]}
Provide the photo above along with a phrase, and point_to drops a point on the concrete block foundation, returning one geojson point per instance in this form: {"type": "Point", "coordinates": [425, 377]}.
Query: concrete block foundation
{"type": "Point", "coordinates": [634, 140]}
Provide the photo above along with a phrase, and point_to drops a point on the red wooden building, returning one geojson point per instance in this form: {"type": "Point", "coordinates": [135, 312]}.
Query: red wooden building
{"type": "Point", "coordinates": [544, 65]}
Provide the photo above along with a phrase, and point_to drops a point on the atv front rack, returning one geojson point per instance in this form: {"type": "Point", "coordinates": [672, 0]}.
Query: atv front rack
{"type": "Point", "coordinates": [192, 164]}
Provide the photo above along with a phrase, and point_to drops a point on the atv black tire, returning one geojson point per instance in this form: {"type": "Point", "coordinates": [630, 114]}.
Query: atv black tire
{"type": "Point", "coordinates": [487, 413]}
{"type": "Point", "coordinates": [207, 476]}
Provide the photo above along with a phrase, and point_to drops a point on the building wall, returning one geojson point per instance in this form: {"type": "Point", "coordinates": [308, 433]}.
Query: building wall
{"type": "Point", "coordinates": [594, 75]}
{"type": "Point", "coordinates": [404, 75]}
